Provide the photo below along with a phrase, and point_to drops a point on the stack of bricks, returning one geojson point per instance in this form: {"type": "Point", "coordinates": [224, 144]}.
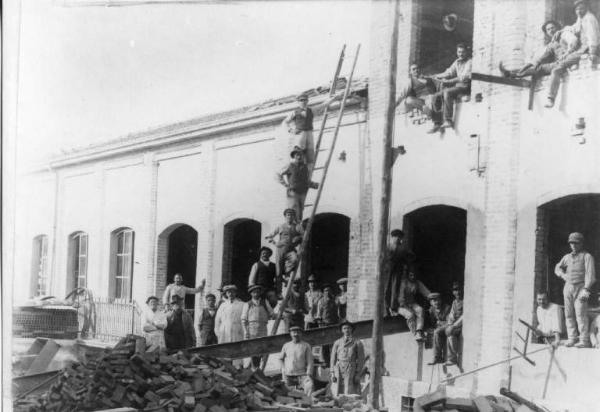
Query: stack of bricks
{"type": "Point", "coordinates": [127, 376]}
{"type": "Point", "coordinates": [439, 402]}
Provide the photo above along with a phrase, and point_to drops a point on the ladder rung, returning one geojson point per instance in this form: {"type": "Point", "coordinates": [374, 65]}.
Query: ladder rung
{"type": "Point", "coordinates": [308, 205]}
{"type": "Point", "coordinates": [323, 150]}
{"type": "Point", "coordinates": [319, 168]}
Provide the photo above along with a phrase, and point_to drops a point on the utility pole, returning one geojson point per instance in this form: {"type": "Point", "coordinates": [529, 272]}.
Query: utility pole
{"type": "Point", "coordinates": [390, 89]}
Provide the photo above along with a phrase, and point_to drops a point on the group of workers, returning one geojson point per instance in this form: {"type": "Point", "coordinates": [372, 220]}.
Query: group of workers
{"type": "Point", "coordinates": [434, 96]}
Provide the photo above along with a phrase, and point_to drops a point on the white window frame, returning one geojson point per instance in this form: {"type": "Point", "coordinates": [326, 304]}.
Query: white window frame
{"type": "Point", "coordinates": [123, 263]}
{"type": "Point", "coordinates": [40, 244]}
{"type": "Point", "coordinates": [79, 256]}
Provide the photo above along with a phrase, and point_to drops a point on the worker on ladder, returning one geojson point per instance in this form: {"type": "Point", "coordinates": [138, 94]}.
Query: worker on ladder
{"type": "Point", "coordinates": [302, 118]}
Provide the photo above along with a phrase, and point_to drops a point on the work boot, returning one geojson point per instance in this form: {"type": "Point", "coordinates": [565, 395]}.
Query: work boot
{"type": "Point", "coordinates": [583, 344]}
{"type": "Point", "coordinates": [447, 124]}
{"type": "Point", "coordinates": [434, 128]}
{"type": "Point", "coordinates": [570, 343]}
{"type": "Point", "coordinates": [549, 103]}
{"type": "Point", "coordinates": [450, 362]}
{"type": "Point", "coordinates": [435, 361]}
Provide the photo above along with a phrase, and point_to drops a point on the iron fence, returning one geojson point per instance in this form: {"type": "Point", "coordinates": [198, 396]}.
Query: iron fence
{"type": "Point", "coordinates": [115, 318]}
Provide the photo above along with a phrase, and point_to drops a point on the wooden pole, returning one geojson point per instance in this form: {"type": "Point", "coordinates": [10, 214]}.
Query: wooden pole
{"type": "Point", "coordinates": [377, 343]}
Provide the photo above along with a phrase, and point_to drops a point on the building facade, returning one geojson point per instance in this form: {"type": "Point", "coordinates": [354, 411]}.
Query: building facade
{"type": "Point", "coordinates": [488, 204]}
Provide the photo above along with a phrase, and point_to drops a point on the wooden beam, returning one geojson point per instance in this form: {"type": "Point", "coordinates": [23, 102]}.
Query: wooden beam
{"type": "Point", "coordinates": [500, 80]}
{"type": "Point", "coordinates": [315, 337]}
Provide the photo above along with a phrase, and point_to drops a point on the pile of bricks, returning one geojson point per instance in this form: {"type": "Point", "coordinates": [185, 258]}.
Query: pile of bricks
{"type": "Point", "coordinates": [439, 402]}
{"type": "Point", "coordinates": [128, 376]}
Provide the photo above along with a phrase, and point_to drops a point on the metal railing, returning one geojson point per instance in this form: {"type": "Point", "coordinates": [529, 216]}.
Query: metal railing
{"type": "Point", "coordinates": [116, 318]}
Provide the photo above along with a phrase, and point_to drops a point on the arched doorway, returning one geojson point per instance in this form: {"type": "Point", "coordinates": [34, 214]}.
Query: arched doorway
{"type": "Point", "coordinates": [241, 243]}
{"type": "Point", "coordinates": [329, 245]}
{"type": "Point", "coordinates": [437, 235]}
{"type": "Point", "coordinates": [555, 220]}
{"type": "Point", "coordinates": [178, 250]}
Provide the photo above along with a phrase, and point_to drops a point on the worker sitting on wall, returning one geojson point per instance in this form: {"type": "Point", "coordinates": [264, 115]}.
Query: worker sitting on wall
{"type": "Point", "coordinates": [295, 177]}
{"type": "Point", "coordinates": [454, 328]}
{"type": "Point", "coordinates": [456, 81]}
{"type": "Point", "coordinates": [296, 360]}
{"type": "Point", "coordinates": [264, 273]}
{"type": "Point", "coordinates": [546, 60]}
{"type": "Point", "coordinates": [177, 288]}
{"type": "Point", "coordinates": [547, 320]}
{"type": "Point", "coordinates": [410, 286]}
{"type": "Point", "coordinates": [290, 235]}
{"type": "Point", "coordinates": [587, 29]}
{"type": "Point", "coordinates": [347, 362]}
{"type": "Point", "coordinates": [437, 319]}
{"type": "Point", "coordinates": [579, 273]}
{"type": "Point", "coordinates": [179, 333]}
{"type": "Point", "coordinates": [416, 93]}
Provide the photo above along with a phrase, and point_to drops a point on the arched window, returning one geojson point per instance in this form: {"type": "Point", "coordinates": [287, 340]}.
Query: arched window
{"type": "Point", "coordinates": [39, 266]}
{"type": "Point", "coordinates": [77, 265]}
{"type": "Point", "coordinates": [121, 265]}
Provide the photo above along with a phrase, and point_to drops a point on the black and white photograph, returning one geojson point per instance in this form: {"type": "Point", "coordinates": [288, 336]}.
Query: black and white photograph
{"type": "Point", "coordinates": [300, 205]}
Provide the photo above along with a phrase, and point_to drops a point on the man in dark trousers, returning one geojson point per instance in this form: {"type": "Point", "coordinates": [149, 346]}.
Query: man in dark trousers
{"type": "Point", "coordinates": [399, 257]}
{"type": "Point", "coordinates": [454, 327]}
{"type": "Point", "coordinates": [437, 319]}
{"type": "Point", "coordinates": [179, 333]}
{"type": "Point", "coordinates": [206, 325]}
{"type": "Point", "coordinates": [327, 315]}
{"type": "Point", "coordinates": [264, 273]}
{"type": "Point", "coordinates": [290, 235]}
{"type": "Point", "coordinates": [293, 315]}
{"type": "Point", "coordinates": [296, 179]}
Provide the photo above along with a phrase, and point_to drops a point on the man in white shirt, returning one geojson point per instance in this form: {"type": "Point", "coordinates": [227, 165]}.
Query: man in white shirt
{"type": "Point", "coordinates": [456, 81]}
{"type": "Point", "coordinates": [228, 320]}
{"type": "Point", "coordinates": [297, 362]}
{"type": "Point", "coordinates": [547, 319]}
{"type": "Point", "coordinates": [177, 288]}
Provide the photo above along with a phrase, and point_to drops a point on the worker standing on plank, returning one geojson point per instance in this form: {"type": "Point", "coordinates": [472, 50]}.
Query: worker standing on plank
{"type": "Point", "coordinates": [297, 362]}
{"type": "Point", "coordinates": [228, 321]}
{"type": "Point", "coordinates": [178, 288]}
{"type": "Point", "coordinates": [206, 325]}
{"type": "Point", "coordinates": [579, 273]}
{"type": "Point", "coordinates": [179, 333]}
{"type": "Point", "coordinates": [255, 316]}
{"type": "Point", "coordinates": [347, 361]}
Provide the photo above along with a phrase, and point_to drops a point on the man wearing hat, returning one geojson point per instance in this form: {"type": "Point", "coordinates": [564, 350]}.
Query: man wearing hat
{"type": "Point", "coordinates": [179, 333]}
{"type": "Point", "coordinates": [311, 300]}
{"type": "Point", "coordinates": [327, 314]}
{"type": "Point", "coordinates": [302, 118]}
{"type": "Point", "coordinates": [454, 328]}
{"type": "Point", "coordinates": [398, 259]}
{"type": "Point", "coordinates": [297, 362]}
{"type": "Point", "coordinates": [295, 177]}
{"type": "Point", "coordinates": [578, 271]}
{"type": "Point", "coordinates": [293, 315]}
{"type": "Point", "coordinates": [587, 29]}
{"type": "Point", "coordinates": [255, 316]}
{"type": "Point", "coordinates": [347, 361]}
{"type": "Point", "coordinates": [341, 300]}
{"type": "Point", "coordinates": [290, 235]}
{"type": "Point", "coordinates": [206, 324]}
{"type": "Point", "coordinates": [408, 307]}
{"type": "Point", "coordinates": [264, 273]}
{"type": "Point", "coordinates": [437, 319]}
{"type": "Point", "coordinates": [228, 321]}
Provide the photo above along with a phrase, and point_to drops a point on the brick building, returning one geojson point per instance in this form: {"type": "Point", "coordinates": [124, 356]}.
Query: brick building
{"type": "Point", "coordinates": [488, 204]}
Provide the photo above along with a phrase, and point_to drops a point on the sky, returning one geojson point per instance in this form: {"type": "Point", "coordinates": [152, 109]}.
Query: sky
{"type": "Point", "coordinates": [89, 73]}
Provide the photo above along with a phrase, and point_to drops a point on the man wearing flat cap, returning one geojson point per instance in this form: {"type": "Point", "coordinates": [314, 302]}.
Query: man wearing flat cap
{"type": "Point", "coordinates": [341, 300]}
{"type": "Point", "coordinates": [206, 323]}
{"type": "Point", "coordinates": [578, 271]}
{"type": "Point", "coordinates": [289, 236]}
{"type": "Point", "coordinates": [437, 319]}
{"type": "Point", "coordinates": [295, 177]}
{"type": "Point", "coordinates": [179, 333]}
{"type": "Point", "coordinates": [347, 362]}
{"type": "Point", "coordinates": [297, 362]}
{"type": "Point", "coordinates": [264, 273]}
{"type": "Point", "coordinates": [228, 322]}
{"type": "Point", "coordinates": [302, 119]}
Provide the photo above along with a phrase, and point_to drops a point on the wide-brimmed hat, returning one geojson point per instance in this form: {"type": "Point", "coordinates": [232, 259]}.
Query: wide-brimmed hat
{"type": "Point", "coordinates": [151, 298]}
{"type": "Point", "coordinates": [342, 281]}
{"type": "Point", "coordinates": [254, 287]}
{"type": "Point", "coordinates": [347, 323]}
{"type": "Point", "coordinates": [296, 328]}
{"type": "Point", "coordinates": [229, 287]}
